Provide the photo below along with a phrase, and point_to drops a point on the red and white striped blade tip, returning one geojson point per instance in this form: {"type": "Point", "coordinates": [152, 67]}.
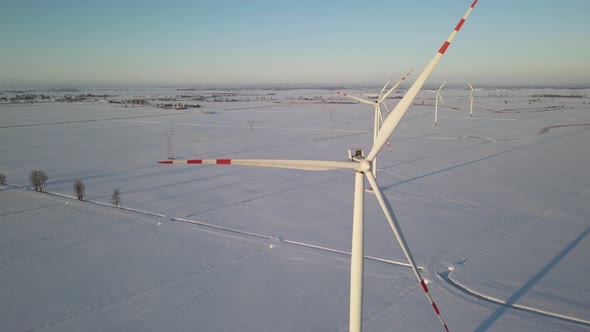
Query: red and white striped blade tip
{"type": "Point", "coordinates": [197, 161]}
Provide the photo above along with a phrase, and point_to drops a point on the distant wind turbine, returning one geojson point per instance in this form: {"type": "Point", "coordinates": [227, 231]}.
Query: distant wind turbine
{"type": "Point", "coordinates": [363, 167]}
{"type": "Point", "coordinates": [437, 97]}
{"type": "Point", "coordinates": [381, 98]}
{"type": "Point", "coordinates": [471, 98]}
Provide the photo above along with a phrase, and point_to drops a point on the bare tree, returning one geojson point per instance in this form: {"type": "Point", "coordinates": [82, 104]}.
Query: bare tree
{"type": "Point", "coordinates": [2, 178]}
{"type": "Point", "coordinates": [34, 179]}
{"type": "Point", "coordinates": [79, 189]}
{"type": "Point", "coordinates": [42, 179]}
{"type": "Point", "coordinates": [38, 179]}
{"type": "Point", "coordinates": [116, 198]}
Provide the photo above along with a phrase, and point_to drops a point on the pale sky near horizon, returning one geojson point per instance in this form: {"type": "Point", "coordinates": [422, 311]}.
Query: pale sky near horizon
{"type": "Point", "coordinates": [273, 41]}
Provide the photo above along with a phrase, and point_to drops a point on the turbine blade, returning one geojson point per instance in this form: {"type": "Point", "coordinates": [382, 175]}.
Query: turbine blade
{"type": "Point", "coordinates": [390, 215]}
{"type": "Point", "coordinates": [440, 97]}
{"type": "Point", "coordinates": [470, 86]}
{"type": "Point", "coordinates": [361, 100]}
{"type": "Point", "coordinates": [387, 108]}
{"type": "Point", "coordinates": [398, 112]}
{"type": "Point", "coordinates": [386, 84]}
{"type": "Point", "coordinates": [438, 92]}
{"type": "Point", "coordinates": [390, 91]}
{"type": "Point", "coordinates": [308, 165]}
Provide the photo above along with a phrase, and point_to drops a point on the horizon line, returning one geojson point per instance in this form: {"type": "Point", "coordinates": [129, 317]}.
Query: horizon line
{"type": "Point", "coordinates": [196, 85]}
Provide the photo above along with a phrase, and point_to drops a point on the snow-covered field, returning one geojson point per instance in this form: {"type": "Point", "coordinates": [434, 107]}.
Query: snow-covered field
{"type": "Point", "coordinates": [494, 207]}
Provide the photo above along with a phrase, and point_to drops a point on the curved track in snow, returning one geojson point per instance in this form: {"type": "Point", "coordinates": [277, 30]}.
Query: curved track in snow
{"type": "Point", "coordinates": [441, 272]}
{"type": "Point", "coordinates": [446, 276]}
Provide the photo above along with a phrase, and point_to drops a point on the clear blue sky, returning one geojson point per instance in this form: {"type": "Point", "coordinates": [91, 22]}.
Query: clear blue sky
{"type": "Point", "coordinates": [275, 41]}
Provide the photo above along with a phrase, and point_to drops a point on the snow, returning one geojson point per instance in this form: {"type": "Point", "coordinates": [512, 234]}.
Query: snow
{"type": "Point", "coordinates": [501, 198]}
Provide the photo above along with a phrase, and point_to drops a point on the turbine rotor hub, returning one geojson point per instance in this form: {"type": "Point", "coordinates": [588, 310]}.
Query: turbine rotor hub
{"type": "Point", "coordinates": [364, 166]}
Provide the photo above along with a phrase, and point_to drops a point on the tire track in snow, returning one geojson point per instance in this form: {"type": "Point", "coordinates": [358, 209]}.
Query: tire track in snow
{"type": "Point", "coordinates": [495, 214]}
{"type": "Point", "coordinates": [433, 263]}
{"type": "Point", "coordinates": [256, 127]}
{"type": "Point", "coordinates": [88, 120]}
{"type": "Point", "coordinates": [222, 228]}
{"type": "Point", "coordinates": [466, 290]}
{"type": "Point", "coordinates": [546, 129]}
{"type": "Point", "coordinates": [447, 284]}
{"type": "Point", "coordinates": [79, 243]}
{"type": "Point", "coordinates": [190, 275]}
{"type": "Point", "coordinates": [315, 184]}
{"type": "Point", "coordinates": [393, 299]}
{"type": "Point", "coordinates": [445, 280]}
{"type": "Point", "coordinates": [61, 235]}
{"type": "Point", "coordinates": [377, 259]}
{"type": "Point", "coordinates": [433, 156]}
{"type": "Point", "coordinates": [528, 223]}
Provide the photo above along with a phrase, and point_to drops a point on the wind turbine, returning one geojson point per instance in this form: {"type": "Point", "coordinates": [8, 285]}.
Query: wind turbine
{"type": "Point", "coordinates": [377, 104]}
{"type": "Point", "coordinates": [471, 98]}
{"type": "Point", "coordinates": [438, 96]}
{"type": "Point", "coordinates": [363, 166]}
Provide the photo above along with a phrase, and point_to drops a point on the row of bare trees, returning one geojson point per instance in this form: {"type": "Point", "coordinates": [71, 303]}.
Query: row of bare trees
{"type": "Point", "coordinates": [80, 188]}
{"type": "Point", "coordinates": [38, 180]}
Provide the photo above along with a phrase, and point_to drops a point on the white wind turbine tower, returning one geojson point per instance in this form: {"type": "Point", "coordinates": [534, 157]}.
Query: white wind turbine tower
{"type": "Point", "coordinates": [363, 166]}
{"type": "Point", "coordinates": [381, 98]}
{"type": "Point", "coordinates": [471, 98]}
{"type": "Point", "coordinates": [437, 97]}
